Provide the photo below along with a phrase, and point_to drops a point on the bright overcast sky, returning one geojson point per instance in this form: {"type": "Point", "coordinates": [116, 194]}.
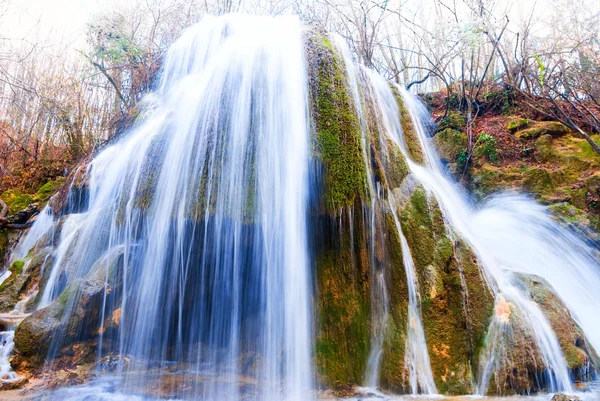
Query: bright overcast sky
{"type": "Point", "coordinates": [64, 21]}
{"type": "Point", "coordinates": [53, 21]}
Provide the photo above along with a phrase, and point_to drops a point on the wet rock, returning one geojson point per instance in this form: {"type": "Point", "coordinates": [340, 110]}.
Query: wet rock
{"type": "Point", "coordinates": [569, 334]}
{"type": "Point", "coordinates": [450, 143]}
{"type": "Point", "coordinates": [74, 316]}
{"type": "Point", "coordinates": [565, 397]}
{"type": "Point", "coordinates": [15, 384]}
{"type": "Point", "coordinates": [24, 279]}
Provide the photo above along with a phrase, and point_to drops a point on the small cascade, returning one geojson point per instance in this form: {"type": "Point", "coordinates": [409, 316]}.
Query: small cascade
{"type": "Point", "coordinates": [379, 306]}
{"type": "Point", "coordinates": [9, 322]}
{"type": "Point", "coordinates": [44, 222]}
{"type": "Point", "coordinates": [417, 356]}
{"type": "Point", "coordinates": [6, 347]}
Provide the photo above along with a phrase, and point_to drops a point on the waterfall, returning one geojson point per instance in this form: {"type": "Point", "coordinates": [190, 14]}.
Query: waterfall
{"type": "Point", "coordinates": [192, 243]}
{"type": "Point", "coordinates": [199, 212]}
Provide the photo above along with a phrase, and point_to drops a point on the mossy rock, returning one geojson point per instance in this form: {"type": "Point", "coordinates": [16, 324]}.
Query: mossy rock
{"type": "Point", "coordinates": [343, 303]}
{"type": "Point", "coordinates": [74, 316]}
{"type": "Point", "coordinates": [552, 128]}
{"type": "Point", "coordinates": [449, 143]}
{"type": "Point", "coordinates": [544, 151]}
{"type": "Point", "coordinates": [411, 139]}
{"type": "Point", "coordinates": [396, 169]}
{"type": "Point", "coordinates": [537, 180]}
{"type": "Point", "coordinates": [15, 200]}
{"type": "Point", "coordinates": [393, 371]}
{"type": "Point", "coordinates": [456, 302]}
{"type": "Point", "coordinates": [13, 287]}
{"type": "Point", "coordinates": [337, 139]}
{"type": "Point", "coordinates": [48, 189]}
{"type": "Point", "coordinates": [454, 120]}
{"type": "Point", "coordinates": [25, 277]}
{"type": "Point", "coordinates": [568, 333]}
{"type": "Point", "coordinates": [518, 124]}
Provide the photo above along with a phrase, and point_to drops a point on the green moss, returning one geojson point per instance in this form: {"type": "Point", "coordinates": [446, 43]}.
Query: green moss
{"type": "Point", "coordinates": [552, 128]}
{"type": "Point", "coordinates": [538, 180]}
{"type": "Point", "coordinates": [456, 302]}
{"type": "Point", "coordinates": [587, 150]}
{"type": "Point", "coordinates": [17, 267]}
{"type": "Point", "coordinates": [410, 135]}
{"type": "Point", "coordinates": [342, 343]}
{"type": "Point", "coordinates": [454, 120]}
{"type": "Point", "coordinates": [396, 168]}
{"type": "Point", "coordinates": [450, 143]}
{"type": "Point", "coordinates": [15, 200]}
{"type": "Point", "coordinates": [544, 151]}
{"type": "Point", "coordinates": [518, 124]}
{"type": "Point", "coordinates": [48, 189]}
{"type": "Point", "coordinates": [392, 371]}
{"type": "Point", "coordinates": [337, 140]}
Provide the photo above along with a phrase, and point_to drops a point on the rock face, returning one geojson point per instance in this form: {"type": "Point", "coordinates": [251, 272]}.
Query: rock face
{"type": "Point", "coordinates": [359, 241]}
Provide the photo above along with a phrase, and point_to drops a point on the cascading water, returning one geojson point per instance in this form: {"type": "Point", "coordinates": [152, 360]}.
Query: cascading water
{"type": "Point", "coordinates": [461, 215]}
{"type": "Point", "coordinates": [192, 241]}
{"type": "Point", "coordinates": [199, 213]}
{"type": "Point", "coordinates": [379, 296]}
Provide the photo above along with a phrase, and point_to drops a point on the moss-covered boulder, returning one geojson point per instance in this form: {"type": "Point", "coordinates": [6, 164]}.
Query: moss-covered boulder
{"type": "Point", "coordinates": [552, 128]}
{"type": "Point", "coordinates": [518, 124]}
{"type": "Point", "coordinates": [569, 334]}
{"type": "Point", "coordinates": [520, 369]}
{"type": "Point", "coordinates": [450, 143]}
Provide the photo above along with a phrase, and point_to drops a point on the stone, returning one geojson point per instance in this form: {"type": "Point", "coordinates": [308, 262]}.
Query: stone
{"type": "Point", "coordinates": [553, 128]}
{"type": "Point", "coordinates": [565, 397]}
